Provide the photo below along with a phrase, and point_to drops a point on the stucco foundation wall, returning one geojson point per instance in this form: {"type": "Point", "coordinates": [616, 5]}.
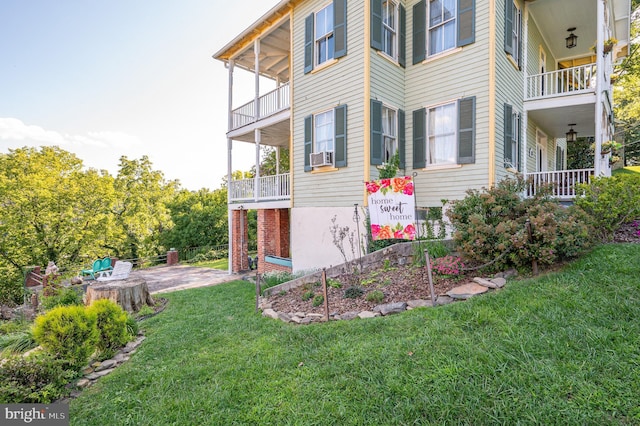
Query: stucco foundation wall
{"type": "Point", "coordinates": [312, 245]}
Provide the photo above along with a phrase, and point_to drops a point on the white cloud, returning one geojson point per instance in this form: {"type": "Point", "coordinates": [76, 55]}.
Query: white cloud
{"type": "Point", "coordinates": [14, 130]}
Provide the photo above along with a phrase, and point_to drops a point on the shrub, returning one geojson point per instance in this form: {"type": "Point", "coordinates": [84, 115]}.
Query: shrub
{"type": "Point", "coordinates": [375, 296]}
{"type": "Point", "coordinates": [353, 292]}
{"type": "Point", "coordinates": [67, 332]}
{"type": "Point", "coordinates": [317, 300]}
{"type": "Point", "coordinates": [111, 322]}
{"type": "Point", "coordinates": [61, 296]}
{"type": "Point", "coordinates": [491, 226]}
{"type": "Point", "coordinates": [435, 248]}
{"type": "Point", "coordinates": [38, 379]}
{"type": "Point", "coordinates": [448, 265]}
{"type": "Point", "coordinates": [333, 283]}
{"type": "Point", "coordinates": [307, 295]}
{"type": "Point", "coordinates": [610, 202]}
{"type": "Point", "coordinates": [11, 286]}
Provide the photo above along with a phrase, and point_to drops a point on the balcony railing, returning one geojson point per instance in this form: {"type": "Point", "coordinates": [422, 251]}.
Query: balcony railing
{"type": "Point", "coordinates": [270, 103]}
{"type": "Point", "coordinates": [270, 188]}
{"type": "Point", "coordinates": [563, 181]}
{"type": "Point", "coordinates": [568, 81]}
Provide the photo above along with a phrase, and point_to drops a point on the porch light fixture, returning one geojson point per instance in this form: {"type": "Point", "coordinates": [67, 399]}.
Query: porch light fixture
{"type": "Point", "coordinates": [572, 40]}
{"type": "Point", "coordinates": [572, 135]}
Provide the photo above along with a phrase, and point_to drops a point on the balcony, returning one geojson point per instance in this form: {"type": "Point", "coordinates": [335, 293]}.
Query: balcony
{"type": "Point", "coordinates": [270, 188]}
{"type": "Point", "coordinates": [563, 182]}
{"type": "Point", "coordinates": [563, 82]}
{"type": "Point", "coordinates": [269, 104]}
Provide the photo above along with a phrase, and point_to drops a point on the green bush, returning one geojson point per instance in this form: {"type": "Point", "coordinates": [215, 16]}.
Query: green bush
{"type": "Point", "coordinates": [111, 322]}
{"type": "Point", "coordinates": [610, 202]}
{"type": "Point", "coordinates": [375, 296]}
{"type": "Point", "coordinates": [307, 295]}
{"type": "Point", "coordinates": [37, 379]}
{"type": "Point", "coordinates": [353, 292]}
{"type": "Point", "coordinates": [11, 286]}
{"type": "Point", "coordinates": [499, 226]}
{"type": "Point", "coordinates": [435, 248]}
{"type": "Point", "coordinates": [317, 300]}
{"type": "Point", "coordinates": [67, 332]}
{"type": "Point", "coordinates": [61, 296]}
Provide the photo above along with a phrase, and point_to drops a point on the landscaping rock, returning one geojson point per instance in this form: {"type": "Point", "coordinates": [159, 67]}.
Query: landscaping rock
{"type": "Point", "coordinates": [270, 313]}
{"type": "Point", "coordinates": [296, 319]}
{"type": "Point", "coordinates": [98, 374]}
{"type": "Point", "coordinates": [306, 320]}
{"type": "Point", "coordinates": [500, 282]}
{"type": "Point", "coordinates": [444, 300]}
{"type": "Point", "coordinates": [485, 283]}
{"type": "Point", "coordinates": [466, 291]}
{"type": "Point", "coordinates": [391, 308]}
{"type": "Point", "coordinates": [284, 317]}
{"type": "Point", "coordinates": [83, 383]}
{"type": "Point", "coordinates": [315, 316]}
{"type": "Point", "coordinates": [419, 303]}
{"type": "Point", "coordinates": [349, 315]}
{"type": "Point", "coordinates": [105, 365]}
{"type": "Point", "coordinates": [368, 314]}
{"type": "Point", "coordinates": [120, 358]}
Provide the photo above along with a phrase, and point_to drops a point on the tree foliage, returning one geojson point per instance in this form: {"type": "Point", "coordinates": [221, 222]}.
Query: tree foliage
{"type": "Point", "coordinates": [627, 97]}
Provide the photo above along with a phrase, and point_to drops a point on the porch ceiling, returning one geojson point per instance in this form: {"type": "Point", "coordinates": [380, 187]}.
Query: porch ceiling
{"type": "Point", "coordinates": [554, 17]}
{"type": "Point", "coordinates": [555, 121]}
{"type": "Point", "coordinates": [274, 135]}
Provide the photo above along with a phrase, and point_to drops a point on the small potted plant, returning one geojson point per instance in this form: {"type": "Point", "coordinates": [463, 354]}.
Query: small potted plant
{"type": "Point", "coordinates": [608, 45]}
{"type": "Point", "coordinates": [609, 146]}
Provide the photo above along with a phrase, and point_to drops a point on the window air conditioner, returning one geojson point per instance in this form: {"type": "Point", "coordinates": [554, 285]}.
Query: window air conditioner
{"type": "Point", "coordinates": [323, 158]}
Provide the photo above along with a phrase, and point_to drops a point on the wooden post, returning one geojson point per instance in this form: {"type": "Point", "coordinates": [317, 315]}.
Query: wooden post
{"type": "Point", "coordinates": [257, 291]}
{"type": "Point", "coordinates": [534, 262]}
{"type": "Point", "coordinates": [431, 289]}
{"type": "Point", "coordinates": [325, 294]}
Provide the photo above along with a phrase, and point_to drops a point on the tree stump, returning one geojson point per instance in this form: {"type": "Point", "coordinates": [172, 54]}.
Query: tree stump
{"type": "Point", "coordinates": [131, 294]}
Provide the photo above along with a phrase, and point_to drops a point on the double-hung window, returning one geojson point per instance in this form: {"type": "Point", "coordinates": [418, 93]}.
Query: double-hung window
{"type": "Point", "coordinates": [323, 132]}
{"type": "Point", "coordinates": [441, 25]}
{"type": "Point", "coordinates": [444, 134]}
{"type": "Point", "coordinates": [390, 28]}
{"type": "Point", "coordinates": [325, 35]}
{"type": "Point", "coordinates": [513, 31]}
{"type": "Point", "coordinates": [325, 138]}
{"type": "Point", "coordinates": [512, 131]}
{"type": "Point", "coordinates": [324, 42]}
{"type": "Point", "coordinates": [389, 133]}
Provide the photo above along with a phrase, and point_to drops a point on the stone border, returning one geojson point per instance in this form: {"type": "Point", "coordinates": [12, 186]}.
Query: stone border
{"type": "Point", "coordinates": [460, 293]}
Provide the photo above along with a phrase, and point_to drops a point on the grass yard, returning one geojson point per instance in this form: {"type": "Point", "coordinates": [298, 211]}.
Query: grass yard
{"type": "Point", "coordinates": [215, 264]}
{"type": "Point", "coordinates": [629, 170]}
{"type": "Point", "coordinates": [560, 349]}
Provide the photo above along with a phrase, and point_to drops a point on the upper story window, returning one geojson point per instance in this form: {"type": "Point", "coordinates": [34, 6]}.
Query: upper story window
{"type": "Point", "coordinates": [513, 32]}
{"type": "Point", "coordinates": [389, 132]}
{"type": "Point", "coordinates": [390, 28]}
{"type": "Point", "coordinates": [324, 35]}
{"type": "Point", "coordinates": [444, 134]}
{"type": "Point", "coordinates": [441, 25]}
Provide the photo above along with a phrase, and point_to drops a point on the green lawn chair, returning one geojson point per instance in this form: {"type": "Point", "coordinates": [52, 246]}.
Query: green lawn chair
{"type": "Point", "coordinates": [98, 265]}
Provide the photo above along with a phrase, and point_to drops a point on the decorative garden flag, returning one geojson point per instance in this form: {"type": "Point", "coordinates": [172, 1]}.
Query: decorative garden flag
{"type": "Point", "coordinates": [392, 208]}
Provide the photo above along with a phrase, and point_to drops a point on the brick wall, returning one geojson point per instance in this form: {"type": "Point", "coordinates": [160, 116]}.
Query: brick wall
{"type": "Point", "coordinates": [273, 238]}
{"type": "Point", "coordinates": [240, 235]}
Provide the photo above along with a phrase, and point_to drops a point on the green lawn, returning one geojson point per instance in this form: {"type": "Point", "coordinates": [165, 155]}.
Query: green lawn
{"type": "Point", "coordinates": [560, 349]}
{"type": "Point", "coordinates": [215, 264]}
{"type": "Point", "coordinates": [627, 170]}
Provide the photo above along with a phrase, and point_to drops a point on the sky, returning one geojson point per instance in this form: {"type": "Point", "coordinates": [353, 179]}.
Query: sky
{"type": "Point", "coordinates": [103, 79]}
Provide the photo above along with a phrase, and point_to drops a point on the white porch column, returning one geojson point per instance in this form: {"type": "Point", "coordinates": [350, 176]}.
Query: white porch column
{"type": "Point", "coordinates": [600, 24]}
{"type": "Point", "coordinates": [257, 133]}
{"type": "Point", "coordinates": [230, 166]}
{"type": "Point", "coordinates": [525, 114]}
